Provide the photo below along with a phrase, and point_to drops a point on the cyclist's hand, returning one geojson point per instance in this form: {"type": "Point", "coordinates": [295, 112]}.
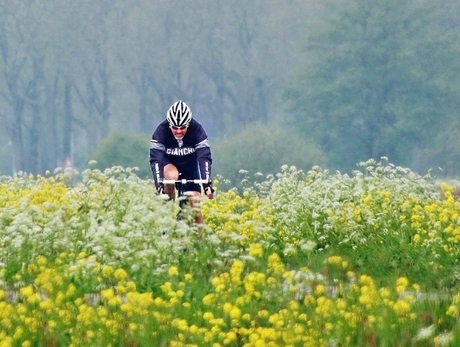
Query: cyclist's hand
{"type": "Point", "coordinates": [209, 191]}
{"type": "Point", "coordinates": [161, 188]}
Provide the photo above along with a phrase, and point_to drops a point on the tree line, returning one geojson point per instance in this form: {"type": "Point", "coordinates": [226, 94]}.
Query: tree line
{"type": "Point", "coordinates": [350, 80]}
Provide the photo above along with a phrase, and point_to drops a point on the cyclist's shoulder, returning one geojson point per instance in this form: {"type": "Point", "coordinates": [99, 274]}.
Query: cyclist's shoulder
{"type": "Point", "coordinates": [164, 125]}
{"type": "Point", "coordinates": [196, 129]}
{"type": "Point", "coordinates": [161, 130]}
{"type": "Point", "coordinates": [194, 124]}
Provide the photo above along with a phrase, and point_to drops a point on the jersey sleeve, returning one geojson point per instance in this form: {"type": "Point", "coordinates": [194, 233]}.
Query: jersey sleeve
{"type": "Point", "coordinates": [157, 156]}
{"type": "Point", "coordinates": [203, 153]}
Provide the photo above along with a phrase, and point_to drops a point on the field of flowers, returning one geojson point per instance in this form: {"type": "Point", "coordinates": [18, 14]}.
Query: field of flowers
{"type": "Point", "coordinates": [298, 259]}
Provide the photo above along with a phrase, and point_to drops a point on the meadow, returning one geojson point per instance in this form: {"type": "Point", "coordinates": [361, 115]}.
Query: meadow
{"type": "Point", "coordinates": [96, 258]}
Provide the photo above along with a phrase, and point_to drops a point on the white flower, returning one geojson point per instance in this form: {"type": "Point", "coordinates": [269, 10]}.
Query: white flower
{"type": "Point", "coordinates": [307, 245]}
{"type": "Point", "coordinates": [443, 339]}
{"type": "Point", "coordinates": [425, 333]}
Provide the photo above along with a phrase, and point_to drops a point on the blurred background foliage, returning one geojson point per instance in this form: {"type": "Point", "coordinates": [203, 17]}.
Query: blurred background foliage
{"type": "Point", "coordinates": [300, 82]}
{"type": "Point", "coordinates": [127, 150]}
{"type": "Point", "coordinates": [272, 146]}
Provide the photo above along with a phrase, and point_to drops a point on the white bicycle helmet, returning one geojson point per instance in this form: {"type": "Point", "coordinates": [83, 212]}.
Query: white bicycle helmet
{"type": "Point", "coordinates": [179, 114]}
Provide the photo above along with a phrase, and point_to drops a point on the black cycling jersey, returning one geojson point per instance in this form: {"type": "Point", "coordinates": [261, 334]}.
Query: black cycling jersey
{"type": "Point", "coordinates": [191, 155]}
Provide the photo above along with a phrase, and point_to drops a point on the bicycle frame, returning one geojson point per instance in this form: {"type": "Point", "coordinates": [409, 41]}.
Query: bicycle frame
{"type": "Point", "coordinates": [179, 185]}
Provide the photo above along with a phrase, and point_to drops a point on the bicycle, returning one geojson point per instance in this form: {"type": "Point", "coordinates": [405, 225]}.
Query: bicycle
{"type": "Point", "coordinates": [181, 195]}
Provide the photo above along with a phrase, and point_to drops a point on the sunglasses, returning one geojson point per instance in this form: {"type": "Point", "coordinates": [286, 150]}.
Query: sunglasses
{"type": "Point", "coordinates": [178, 128]}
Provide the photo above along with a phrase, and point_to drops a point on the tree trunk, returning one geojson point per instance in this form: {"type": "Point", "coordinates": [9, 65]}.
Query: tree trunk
{"type": "Point", "coordinates": [17, 136]}
{"type": "Point", "coordinates": [68, 121]}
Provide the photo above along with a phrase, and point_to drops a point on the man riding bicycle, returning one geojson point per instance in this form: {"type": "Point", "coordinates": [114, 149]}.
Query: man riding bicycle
{"type": "Point", "coordinates": [180, 147]}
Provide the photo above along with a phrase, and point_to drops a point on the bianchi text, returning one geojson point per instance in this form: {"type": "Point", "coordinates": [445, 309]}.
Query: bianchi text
{"type": "Point", "coordinates": [180, 151]}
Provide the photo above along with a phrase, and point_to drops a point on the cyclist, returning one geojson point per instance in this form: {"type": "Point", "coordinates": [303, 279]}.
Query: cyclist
{"type": "Point", "coordinates": [180, 148]}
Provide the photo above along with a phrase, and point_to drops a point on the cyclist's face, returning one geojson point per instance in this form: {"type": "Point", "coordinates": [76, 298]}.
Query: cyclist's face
{"type": "Point", "coordinates": [178, 132]}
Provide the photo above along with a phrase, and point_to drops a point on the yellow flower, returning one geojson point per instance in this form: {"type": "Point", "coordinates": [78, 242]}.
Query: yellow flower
{"type": "Point", "coordinates": [120, 274]}
{"type": "Point", "coordinates": [107, 294]}
{"type": "Point", "coordinates": [209, 299]}
{"type": "Point", "coordinates": [236, 271]}
{"type": "Point", "coordinates": [235, 313]}
{"type": "Point", "coordinates": [320, 289]}
{"type": "Point", "coordinates": [107, 271]}
{"type": "Point", "coordinates": [180, 324]}
{"type": "Point", "coordinates": [71, 290]}
{"type": "Point", "coordinates": [26, 291]}
{"type": "Point", "coordinates": [231, 336]}
{"type": "Point", "coordinates": [41, 261]}
{"type": "Point", "coordinates": [275, 264]}
{"type": "Point", "coordinates": [401, 284]}
{"type": "Point", "coordinates": [173, 271]}
{"type": "Point", "coordinates": [256, 250]}
{"type": "Point", "coordinates": [453, 311]}
{"type": "Point", "coordinates": [130, 286]}
{"type": "Point", "coordinates": [384, 293]}
{"type": "Point", "coordinates": [193, 329]}
{"type": "Point", "coordinates": [401, 307]}
{"type": "Point", "coordinates": [18, 334]}
{"type": "Point", "coordinates": [166, 287]}
{"type": "Point", "coordinates": [208, 316]}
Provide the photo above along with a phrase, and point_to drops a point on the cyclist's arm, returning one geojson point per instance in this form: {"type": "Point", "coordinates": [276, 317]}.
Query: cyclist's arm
{"type": "Point", "coordinates": [157, 153]}
{"type": "Point", "coordinates": [204, 157]}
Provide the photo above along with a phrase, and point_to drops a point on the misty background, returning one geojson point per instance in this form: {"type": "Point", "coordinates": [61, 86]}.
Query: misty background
{"type": "Point", "coordinates": [274, 82]}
